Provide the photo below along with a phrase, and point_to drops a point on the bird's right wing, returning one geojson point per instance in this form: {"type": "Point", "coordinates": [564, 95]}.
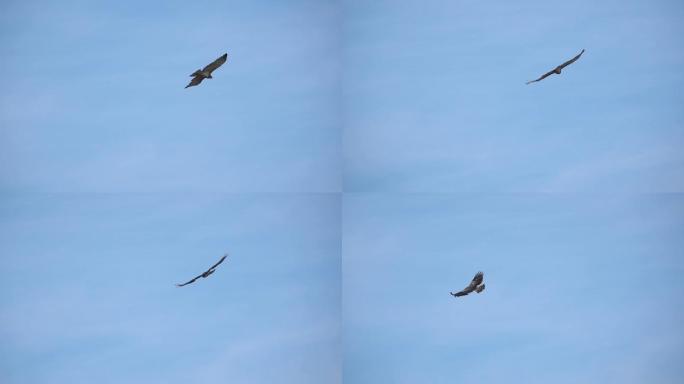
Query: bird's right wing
{"type": "Point", "coordinates": [542, 77]}
{"type": "Point", "coordinates": [461, 293]}
{"type": "Point", "coordinates": [189, 282]}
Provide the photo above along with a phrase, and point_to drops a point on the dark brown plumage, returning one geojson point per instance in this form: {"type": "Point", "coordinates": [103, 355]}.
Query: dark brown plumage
{"type": "Point", "coordinates": [205, 73]}
{"type": "Point", "coordinates": [205, 273]}
{"type": "Point", "coordinates": [475, 285]}
{"type": "Point", "coordinates": [558, 69]}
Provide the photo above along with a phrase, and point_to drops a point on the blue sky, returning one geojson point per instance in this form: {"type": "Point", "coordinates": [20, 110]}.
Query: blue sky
{"type": "Point", "coordinates": [89, 296]}
{"type": "Point", "coordinates": [579, 288]}
{"type": "Point", "coordinates": [435, 96]}
{"type": "Point", "coordinates": [359, 160]}
{"type": "Point", "coordinates": [96, 101]}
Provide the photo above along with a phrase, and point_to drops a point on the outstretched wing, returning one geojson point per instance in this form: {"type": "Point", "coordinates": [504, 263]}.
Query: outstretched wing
{"type": "Point", "coordinates": [461, 293]}
{"type": "Point", "coordinates": [216, 63]}
{"type": "Point", "coordinates": [477, 280]}
{"type": "Point", "coordinates": [219, 262]}
{"type": "Point", "coordinates": [571, 60]}
{"type": "Point", "coordinates": [195, 81]}
{"type": "Point", "coordinates": [189, 282]}
{"type": "Point", "coordinates": [544, 76]}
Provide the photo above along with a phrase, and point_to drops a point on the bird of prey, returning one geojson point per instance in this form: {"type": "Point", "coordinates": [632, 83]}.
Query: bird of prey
{"type": "Point", "coordinates": [205, 73]}
{"type": "Point", "coordinates": [475, 285]}
{"type": "Point", "coordinates": [205, 273]}
{"type": "Point", "coordinates": [558, 69]}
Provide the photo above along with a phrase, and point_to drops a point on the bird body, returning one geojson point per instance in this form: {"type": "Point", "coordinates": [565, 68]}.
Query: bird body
{"type": "Point", "coordinates": [207, 273]}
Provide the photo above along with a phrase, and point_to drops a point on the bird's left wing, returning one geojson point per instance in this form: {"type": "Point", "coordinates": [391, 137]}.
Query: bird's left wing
{"type": "Point", "coordinates": [572, 60]}
{"type": "Point", "coordinates": [477, 280]}
{"type": "Point", "coordinates": [219, 262]}
{"type": "Point", "coordinates": [216, 63]}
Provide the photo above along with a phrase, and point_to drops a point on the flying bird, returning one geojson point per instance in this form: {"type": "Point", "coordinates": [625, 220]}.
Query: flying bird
{"type": "Point", "coordinates": [558, 69]}
{"type": "Point", "coordinates": [475, 285]}
{"type": "Point", "coordinates": [205, 273]}
{"type": "Point", "coordinates": [205, 73]}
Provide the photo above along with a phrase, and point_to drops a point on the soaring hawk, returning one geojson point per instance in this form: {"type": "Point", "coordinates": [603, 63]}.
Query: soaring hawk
{"type": "Point", "coordinates": [475, 285]}
{"type": "Point", "coordinates": [558, 69]}
{"type": "Point", "coordinates": [205, 73]}
{"type": "Point", "coordinates": [205, 273]}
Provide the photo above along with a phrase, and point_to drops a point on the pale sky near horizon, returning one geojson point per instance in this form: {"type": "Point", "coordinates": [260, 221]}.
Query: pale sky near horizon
{"type": "Point", "coordinates": [358, 160]}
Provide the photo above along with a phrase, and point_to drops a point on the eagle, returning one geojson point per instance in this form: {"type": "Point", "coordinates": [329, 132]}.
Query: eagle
{"type": "Point", "coordinates": [558, 69]}
{"type": "Point", "coordinates": [205, 73]}
{"type": "Point", "coordinates": [475, 285]}
{"type": "Point", "coordinates": [205, 273]}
